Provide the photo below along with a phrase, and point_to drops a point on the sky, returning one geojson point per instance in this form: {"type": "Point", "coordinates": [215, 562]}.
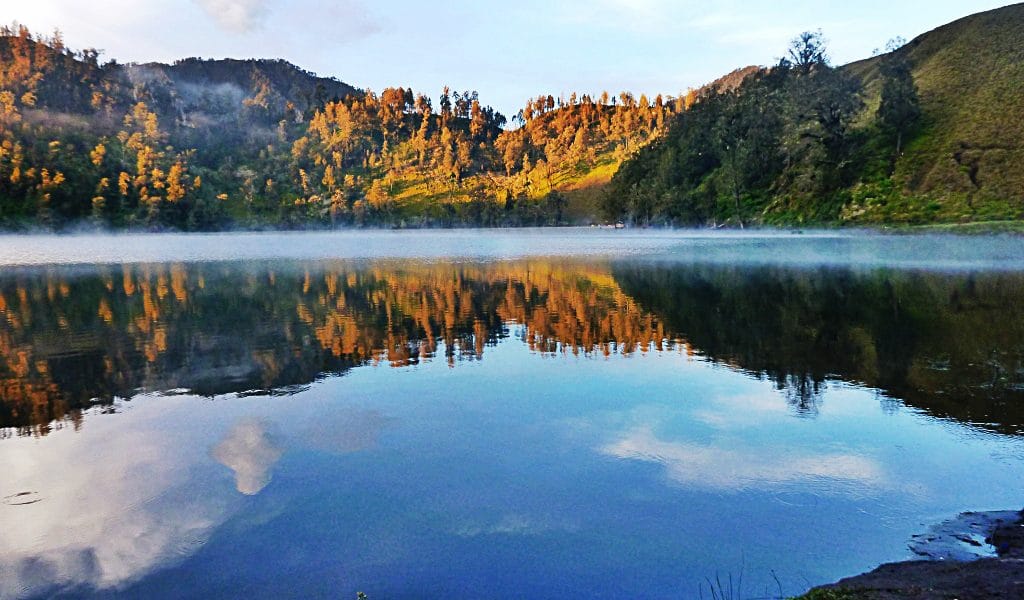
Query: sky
{"type": "Point", "coordinates": [508, 51]}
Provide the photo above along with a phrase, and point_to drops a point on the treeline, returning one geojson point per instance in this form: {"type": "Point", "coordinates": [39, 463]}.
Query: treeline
{"type": "Point", "coordinates": [203, 145]}
{"type": "Point", "coordinates": [791, 143]}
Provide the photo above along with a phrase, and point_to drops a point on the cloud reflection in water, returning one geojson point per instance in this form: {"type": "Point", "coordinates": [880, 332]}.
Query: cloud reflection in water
{"type": "Point", "coordinates": [251, 452]}
{"type": "Point", "coordinates": [112, 507]}
{"type": "Point", "coordinates": [737, 468]}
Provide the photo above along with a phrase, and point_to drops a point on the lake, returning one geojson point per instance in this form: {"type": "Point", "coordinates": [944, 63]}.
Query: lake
{"type": "Point", "coordinates": [497, 414]}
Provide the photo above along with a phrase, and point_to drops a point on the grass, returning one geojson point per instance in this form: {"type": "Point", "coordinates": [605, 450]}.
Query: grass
{"type": "Point", "coordinates": [970, 77]}
{"type": "Point", "coordinates": [416, 196]}
{"type": "Point", "coordinates": [974, 228]}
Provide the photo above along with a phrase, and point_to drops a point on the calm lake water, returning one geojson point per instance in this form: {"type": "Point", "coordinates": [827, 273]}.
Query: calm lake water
{"type": "Point", "coordinates": [559, 413]}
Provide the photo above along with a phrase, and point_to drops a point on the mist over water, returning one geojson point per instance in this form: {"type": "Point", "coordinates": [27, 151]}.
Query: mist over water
{"type": "Point", "coordinates": [467, 414]}
{"type": "Point", "coordinates": [851, 249]}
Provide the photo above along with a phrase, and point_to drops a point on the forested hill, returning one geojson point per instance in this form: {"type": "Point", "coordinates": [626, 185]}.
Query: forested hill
{"type": "Point", "coordinates": [60, 80]}
{"type": "Point", "coordinates": [209, 144]}
{"type": "Point", "coordinates": [278, 79]}
{"type": "Point", "coordinates": [929, 131]}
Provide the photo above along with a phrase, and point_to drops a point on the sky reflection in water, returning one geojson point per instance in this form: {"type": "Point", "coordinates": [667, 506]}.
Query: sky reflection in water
{"type": "Point", "coordinates": [524, 445]}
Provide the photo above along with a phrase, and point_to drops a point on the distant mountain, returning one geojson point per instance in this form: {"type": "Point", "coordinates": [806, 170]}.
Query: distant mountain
{"type": "Point", "coordinates": [234, 84]}
{"type": "Point", "coordinates": [67, 82]}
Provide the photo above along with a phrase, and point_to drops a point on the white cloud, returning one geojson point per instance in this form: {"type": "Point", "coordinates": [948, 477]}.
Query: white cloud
{"type": "Point", "coordinates": [733, 454]}
{"type": "Point", "coordinates": [741, 411]}
{"type": "Point", "coordinates": [239, 16]}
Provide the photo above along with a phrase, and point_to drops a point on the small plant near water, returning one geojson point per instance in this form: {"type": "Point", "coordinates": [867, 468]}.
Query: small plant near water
{"type": "Point", "coordinates": [732, 589]}
{"type": "Point", "coordinates": [720, 590]}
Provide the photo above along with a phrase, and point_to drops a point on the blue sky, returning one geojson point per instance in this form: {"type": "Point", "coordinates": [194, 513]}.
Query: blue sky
{"type": "Point", "coordinates": [507, 51]}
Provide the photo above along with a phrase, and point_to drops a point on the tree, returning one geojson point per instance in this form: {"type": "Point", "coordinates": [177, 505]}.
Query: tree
{"type": "Point", "coordinates": [747, 134]}
{"type": "Point", "coordinates": [446, 106]}
{"type": "Point", "coordinates": [900, 107]}
{"type": "Point", "coordinates": [807, 51]}
{"type": "Point", "coordinates": [392, 111]}
{"type": "Point", "coordinates": [823, 103]}
{"type": "Point", "coordinates": [835, 104]}
{"type": "Point", "coordinates": [690, 99]}
{"type": "Point", "coordinates": [378, 198]}
{"type": "Point", "coordinates": [478, 121]}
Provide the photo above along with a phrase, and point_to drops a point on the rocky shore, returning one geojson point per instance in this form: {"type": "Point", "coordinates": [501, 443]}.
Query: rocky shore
{"type": "Point", "coordinates": [1001, 576]}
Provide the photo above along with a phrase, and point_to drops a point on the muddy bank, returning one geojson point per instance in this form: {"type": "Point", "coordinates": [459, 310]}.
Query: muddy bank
{"type": "Point", "coordinates": [1001, 576]}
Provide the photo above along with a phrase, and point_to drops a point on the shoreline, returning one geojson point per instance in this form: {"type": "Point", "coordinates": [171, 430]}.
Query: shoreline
{"type": "Point", "coordinates": [1001, 576]}
{"type": "Point", "coordinates": [971, 228]}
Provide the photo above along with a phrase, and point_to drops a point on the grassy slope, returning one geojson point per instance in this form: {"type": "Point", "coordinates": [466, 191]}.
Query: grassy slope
{"type": "Point", "coordinates": [415, 196]}
{"type": "Point", "coordinates": [966, 163]}
{"type": "Point", "coordinates": [584, 190]}
{"type": "Point", "coordinates": [582, 187]}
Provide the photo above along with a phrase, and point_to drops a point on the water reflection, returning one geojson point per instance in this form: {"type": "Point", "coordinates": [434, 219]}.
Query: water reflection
{"type": "Point", "coordinates": [733, 465]}
{"type": "Point", "coordinates": [346, 431]}
{"type": "Point", "coordinates": [74, 338]}
{"type": "Point", "coordinates": [77, 337]}
{"type": "Point", "coordinates": [250, 451]}
{"type": "Point", "coordinates": [951, 344]}
{"type": "Point", "coordinates": [692, 417]}
{"type": "Point", "coordinates": [113, 503]}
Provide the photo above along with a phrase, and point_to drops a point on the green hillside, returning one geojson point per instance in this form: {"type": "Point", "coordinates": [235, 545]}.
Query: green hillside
{"type": "Point", "coordinates": [805, 142]}
{"type": "Point", "coordinates": [968, 155]}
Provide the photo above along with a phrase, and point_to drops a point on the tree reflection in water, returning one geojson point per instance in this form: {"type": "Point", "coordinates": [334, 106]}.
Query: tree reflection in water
{"type": "Point", "coordinates": [73, 338]}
